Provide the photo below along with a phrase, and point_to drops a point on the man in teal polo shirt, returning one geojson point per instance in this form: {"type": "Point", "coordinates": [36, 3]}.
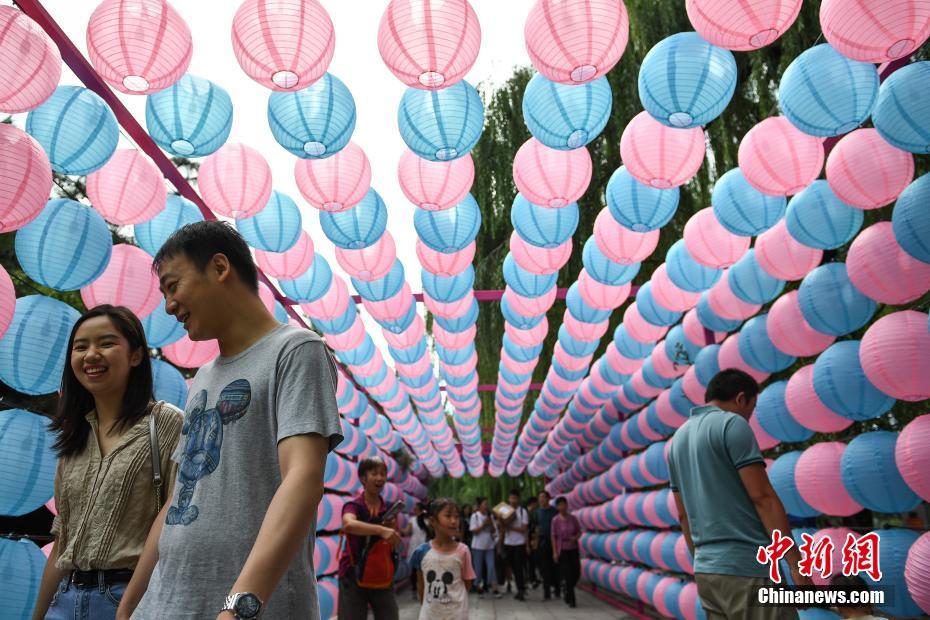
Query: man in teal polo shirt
{"type": "Point", "coordinates": [727, 506]}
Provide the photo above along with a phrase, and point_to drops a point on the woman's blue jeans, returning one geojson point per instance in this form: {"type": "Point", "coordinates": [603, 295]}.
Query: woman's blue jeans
{"type": "Point", "coordinates": [483, 561]}
{"type": "Point", "coordinates": [73, 603]}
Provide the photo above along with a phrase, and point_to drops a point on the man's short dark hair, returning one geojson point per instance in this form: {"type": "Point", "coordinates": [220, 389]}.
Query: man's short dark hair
{"type": "Point", "coordinates": [201, 241]}
{"type": "Point", "coordinates": [560, 500]}
{"type": "Point", "coordinates": [515, 492]}
{"type": "Point", "coordinates": [727, 384]}
{"type": "Point", "coordinates": [480, 499]}
{"type": "Point", "coordinates": [369, 464]}
{"type": "Point", "coordinates": [546, 493]}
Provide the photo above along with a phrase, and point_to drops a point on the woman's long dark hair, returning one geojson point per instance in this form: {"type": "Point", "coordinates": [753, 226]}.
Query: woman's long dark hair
{"type": "Point", "coordinates": [75, 401]}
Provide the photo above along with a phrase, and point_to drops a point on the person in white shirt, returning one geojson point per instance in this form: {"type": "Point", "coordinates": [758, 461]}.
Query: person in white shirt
{"type": "Point", "coordinates": [416, 530]}
{"type": "Point", "coordinates": [515, 529]}
{"type": "Point", "coordinates": [483, 532]}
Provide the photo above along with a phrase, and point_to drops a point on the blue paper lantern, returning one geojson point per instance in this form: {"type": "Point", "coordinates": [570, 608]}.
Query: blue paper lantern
{"type": "Point", "coordinates": [161, 328]}
{"type": "Point", "coordinates": [361, 354]}
{"type": "Point", "coordinates": [449, 230]}
{"type": "Point", "coordinates": [178, 212]}
{"type": "Point", "coordinates": [871, 475]}
{"type": "Point", "coordinates": [66, 247]}
{"type": "Point", "coordinates": [652, 312]}
{"type": "Point", "coordinates": [813, 613]}
{"type": "Point", "coordinates": [711, 320]}
{"type": "Point", "coordinates": [358, 227]}
{"type": "Point", "coordinates": [772, 414]}
{"type": "Point", "coordinates": [679, 349]}
{"type": "Point", "coordinates": [169, 383]}
{"type": "Point", "coordinates": [338, 324]}
{"type": "Point", "coordinates": [455, 357]}
{"type": "Point", "coordinates": [825, 94]}
{"type": "Point", "coordinates": [757, 349]}
{"type": "Point", "coordinates": [674, 588]}
{"type": "Point", "coordinates": [451, 288]}
{"type": "Point", "coordinates": [679, 401]}
{"type": "Point", "coordinates": [316, 122]}
{"type": "Point", "coordinates": [817, 217]}
{"type": "Point", "coordinates": [566, 116]}
{"type": "Point", "coordinates": [841, 384]}
{"type": "Point", "coordinates": [519, 352]}
{"type": "Point", "coordinates": [280, 312]}
{"type": "Point", "coordinates": [410, 354]}
{"type": "Point", "coordinates": [741, 208]}
{"type": "Point", "coordinates": [581, 310]}
{"type": "Point", "coordinates": [518, 320]}
{"type": "Point", "coordinates": [831, 304]}
{"type": "Point", "coordinates": [653, 378]}
{"type": "Point", "coordinates": [76, 128]}
{"type": "Point", "coordinates": [312, 284]}
{"type": "Point", "coordinates": [751, 283]}
{"type": "Point", "coordinates": [629, 346]}
{"type": "Point", "coordinates": [685, 81]}
{"type": "Point", "coordinates": [910, 219]}
{"type": "Point", "coordinates": [604, 270]}
{"type": "Point", "coordinates": [639, 207]}
{"type": "Point", "coordinates": [27, 462]}
{"type": "Point", "coordinates": [374, 379]}
{"type": "Point", "coordinates": [34, 348]}
{"type": "Point", "coordinates": [441, 125]}
{"type": "Point", "coordinates": [686, 273]}
{"type": "Point", "coordinates": [523, 282]}
{"type": "Point", "coordinates": [190, 118]}
{"type": "Point", "coordinates": [543, 227]}
{"type": "Point", "coordinates": [460, 323]}
{"type": "Point", "coordinates": [706, 364]}
{"type": "Point", "coordinates": [892, 556]}
{"type": "Point", "coordinates": [21, 566]}
{"type": "Point", "coordinates": [384, 287]}
{"type": "Point", "coordinates": [781, 475]}
{"type": "Point", "coordinates": [902, 111]}
{"type": "Point", "coordinates": [575, 347]}
{"type": "Point", "coordinates": [397, 326]}
{"type": "Point", "coordinates": [276, 228]}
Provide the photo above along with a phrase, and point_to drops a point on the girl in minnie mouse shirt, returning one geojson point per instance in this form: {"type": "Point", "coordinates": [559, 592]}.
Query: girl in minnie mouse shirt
{"type": "Point", "coordinates": [445, 572]}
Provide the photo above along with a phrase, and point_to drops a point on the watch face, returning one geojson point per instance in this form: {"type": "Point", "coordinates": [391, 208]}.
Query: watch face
{"type": "Point", "coordinates": [247, 606]}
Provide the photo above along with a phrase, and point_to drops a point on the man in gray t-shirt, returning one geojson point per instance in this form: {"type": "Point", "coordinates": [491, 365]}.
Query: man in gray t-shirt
{"type": "Point", "coordinates": [236, 536]}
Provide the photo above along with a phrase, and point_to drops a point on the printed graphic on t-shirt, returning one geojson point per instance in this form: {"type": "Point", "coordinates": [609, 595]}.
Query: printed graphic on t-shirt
{"type": "Point", "coordinates": [437, 586]}
{"type": "Point", "coordinates": [203, 430]}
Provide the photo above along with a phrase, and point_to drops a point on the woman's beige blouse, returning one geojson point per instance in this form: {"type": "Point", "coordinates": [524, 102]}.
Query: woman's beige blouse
{"type": "Point", "coordinates": [106, 506]}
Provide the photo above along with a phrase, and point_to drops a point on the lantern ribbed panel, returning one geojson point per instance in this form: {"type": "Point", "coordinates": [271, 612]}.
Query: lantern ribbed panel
{"type": "Point", "coordinates": [382, 288]}
{"type": "Point", "coordinates": [741, 208]}
{"type": "Point", "coordinates": [912, 455]}
{"type": "Point", "coordinates": [285, 44]}
{"type": "Point", "coordinates": [542, 226]}
{"type": "Point", "coordinates": [138, 46]}
{"type": "Point", "coordinates": [566, 116]}
{"type": "Point", "coordinates": [668, 295]}
{"type": "Point", "coordinates": [743, 26]}
{"type": "Point", "coordinates": [335, 183]}
{"type": "Point", "coordinates": [842, 385]}
{"type": "Point", "coordinates": [25, 178]}
{"type": "Point", "coordinates": [76, 129]}
{"type": "Point", "coordinates": [128, 280]}
{"type": "Point", "coordinates": [807, 408]}
{"type": "Point", "coordinates": [895, 355]}
{"type": "Point", "coordinates": [441, 125]}
{"type": "Point", "coordinates": [369, 263]}
{"type": "Point", "coordinates": [686, 273]}
{"type": "Point", "coordinates": [161, 328]}
{"type": "Point", "coordinates": [445, 264]}
{"type": "Point", "coordinates": [818, 479]}
{"type": "Point", "coordinates": [917, 572]}
{"type": "Point", "coordinates": [875, 32]}
{"type": "Point", "coordinates": [576, 41]}
{"type": "Point", "coordinates": [782, 256]}
{"type": "Point", "coordinates": [825, 94]}
{"type": "Point", "coordinates": [603, 269]}
{"type": "Point", "coordinates": [817, 218]}
{"type": "Point", "coordinates": [435, 186]}
{"type": "Point", "coordinates": [29, 62]}
{"type": "Point", "coordinates": [7, 300]}
{"type": "Point", "coordinates": [684, 81]}
{"type": "Point", "coordinates": [358, 227]}
{"type": "Point", "coordinates": [128, 189]}
{"type": "Point", "coordinates": [189, 354]}
{"type": "Point", "coordinates": [449, 230]}
{"type": "Point", "coordinates": [729, 357]}
{"type": "Point", "coordinates": [871, 476]}
{"type": "Point", "coordinates": [750, 283]}
{"type": "Point", "coordinates": [757, 348]}
{"type": "Point", "coordinates": [652, 312]}
{"type": "Point", "coordinates": [168, 383]}
{"type": "Point", "coordinates": [881, 270]}
{"type": "Point", "coordinates": [773, 416]}
{"type": "Point", "coordinates": [235, 181]}
{"type": "Point", "coordinates": [639, 207]}
{"type": "Point", "coordinates": [867, 172]}
{"type": "Point", "coordinates": [781, 474]}
{"type": "Point", "coordinates": [191, 118]}
{"type": "Point", "coordinates": [902, 111]}
{"type": "Point", "coordinates": [27, 475]}
{"type": "Point", "coordinates": [539, 260]}
{"type": "Point", "coordinates": [710, 244]}
{"type": "Point", "coordinates": [789, 330]}
{"type": "Point", "coordinates": [276, 228]}
{"type": "Point", "coordinates": [778, 159]}
{"type": "Point", "coordinates": [551, 178]}
{"type": "Point", "coordinates": [316, 122]}
{"type": "Point", "coordinates": [910, 219]}
{"type": "Point", "coordinates": [178, 212]}
{"type": "Point", "coordinates": [428, 44]}
{"type": "Point", "coordinates": [620, 244]}
{"type": "Point", "coordinates": [661, 156]}
{"type": "Point", "coordinates": [290, 263]}
{"type": "Point", "coordinates": [830, 302]}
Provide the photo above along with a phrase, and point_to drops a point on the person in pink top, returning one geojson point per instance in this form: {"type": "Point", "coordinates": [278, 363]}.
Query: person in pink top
{"type": "Point", "coordinates": [566, 530]}
{"type": "Point", "coordinates": [445, 573]}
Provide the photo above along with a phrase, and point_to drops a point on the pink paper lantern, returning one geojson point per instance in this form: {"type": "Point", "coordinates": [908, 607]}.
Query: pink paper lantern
{"type": "Point", "coordinates": [29, 62]}
{"type": "Point", "coordinates": [569, 362]}
{"type": "Point", "coordinates": [528, 337]}
{"type": "Point", "coordinates": [332, 304]}
{"type": "Point", "coordinates": [743, 26]}
{"type": "Point", "coordinates": [587, 332]}
{"type": "Point", "coordinates": [128, 280]}
{"type": "Point", "coordinates": [693, 388]}
{"type": "Point", "coordinates": [7, 300]}
{"type": "Point", "coordinates": [25, 174]}
{"type": "Point", "coordinates": [882, 270]}
{"type": "Point", "coordinates": [875, 32]}
{"type": "Point", "coordinates": [369, 263]}
{"type": "Point", "coordinates": [442, 264]}
{"type": "Point", "coordinates": [665, 366]}
{"type": "Point", "coordinates": [726, 305]}
{"type": "Point", "coordinates": [334, 183]}
{"type": "Point", "coordinates": [668, 295]}
{"type": "Point", "coordinates": [349, 339]}
{"type": "Point", "coordinates": [639, 385]}
{"type": "Point", "coordinates": [912, 455]}
{"type": "Point", "coordinates": [620, 244]}
{"type": "Point", "coordinates": [449, 310]}
{"type": "Point", "coordinates": [710, 244]}
{"type": "Point", "coordinates": [779, 159]}
{"type": "Point", "coordinates": [549, 177]}
{"type": "Point", "coordinates": [782, 256]}
{"type": "Point", "coordinates": [729, 357]}
{"type": "Point", "coordinates": [267, 297]}
{"type": "Point", "coordinates": [283, 45]}
{"type": "Point", "coordinates": [790, 332]}
{"type": "Point", "coordinates": [895, 355]}
{"type": "Point", "coordinates": [289, 264]}
{"type": "Point", "coordinates": [601, 296]}
{"type": "Point", "coordinates": [541, 261]}
{"type": "Point", "coordinates": [187, 353]}
{"type": "Point", "coordinates": [917, 572]}
{"type": "Point", "coordinates": [806, 407]}
{"type": "Point", "coordinates": [837, 536]}
{"type": "Point", "coordinates": [764, 440]}
{"type": "Point", "coordinates": [407, 338]}
{"type": "Point", "coordinates": [661, 156]}
{"type": "Point", "coordinates": [817, 476]}
{"type": "Point", "coordinates": [697, 333]}
{"type": "Point", "coordinates": [138, 46]}
{"type": "Point", "coordinates": [435, 185]}
{"type": "Point", "coordinates": [428, 44]}
{"type": "Point", "coordinates": [235, 181]}
{"type": "Point", "coordinates": [866, 172]}
{"type": "Point", "coordinates": [128, 189]}
{"type": "Point", "coordinates": [576, 41]}
{"type": "Point", "coordinates": [530, 306]}
{"type": "Point", "coordinates": [392, 308]}
{"type": "Point", "coordinates": [638, 328]}
{"type": "Point", "coordinates": [688, 601]}
{"type": "Point", "coordinates": [454, 340]}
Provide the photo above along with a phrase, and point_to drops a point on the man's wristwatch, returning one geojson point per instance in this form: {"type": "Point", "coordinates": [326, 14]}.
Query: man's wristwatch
{"type": "Point", "coordinates": [244, 605]}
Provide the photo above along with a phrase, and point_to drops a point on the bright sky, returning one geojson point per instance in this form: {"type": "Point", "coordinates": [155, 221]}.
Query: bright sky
{"type": "Point", "coordinates": [358, 64]}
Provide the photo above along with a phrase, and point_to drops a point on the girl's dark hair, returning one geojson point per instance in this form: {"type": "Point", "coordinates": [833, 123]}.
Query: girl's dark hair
{"type": "Point", "coordinates": [201, 241]}
{"type": "Point", "coordinates": [369, 464]}
{"type": "Point", "coordinates": [441, 503]}
{"type": "Point", "coordinates": [560, 500]}
{"type": "Point", "coordinates": [75, 401]}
